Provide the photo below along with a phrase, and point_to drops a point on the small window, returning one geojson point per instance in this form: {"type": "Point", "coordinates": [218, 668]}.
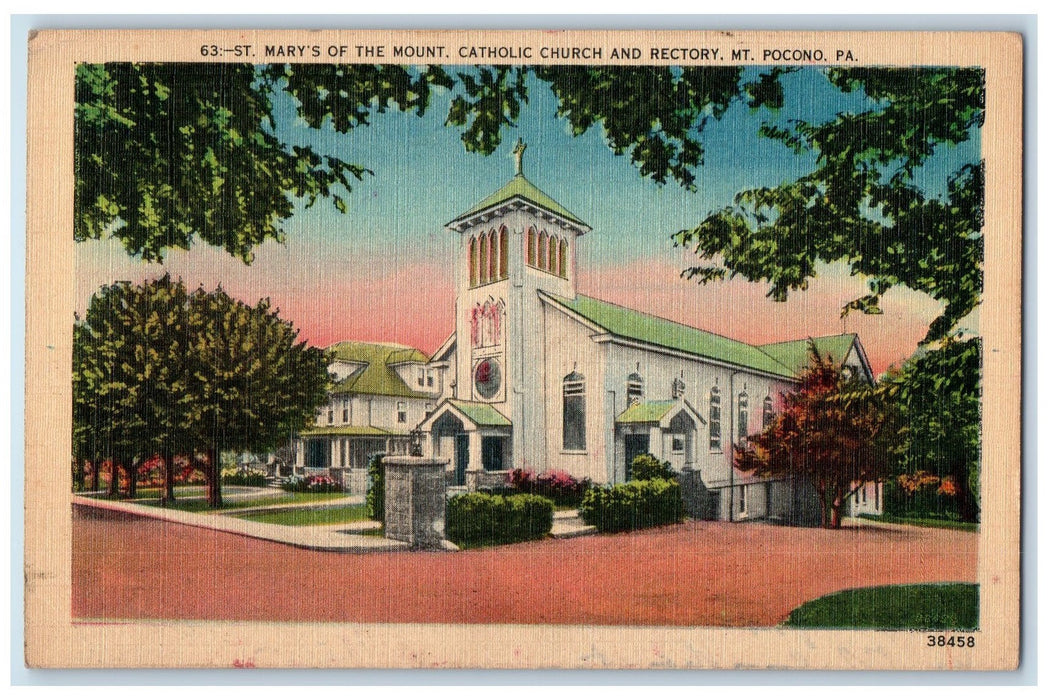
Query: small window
{"type": "Point", "coordinates": [562, 259]}
{"type": "Point", "coordinates": [342, 453]}
{"type": "Point", "coordinates": [715, 420]}
{"type": "Point", "coordinates": [421, 376]}
{"type": "Point", "coordinates": [744, 417]}
{"type": "Point", "coordinates": [531, 246]}
{"type": "Point", "coordinates": [634, 388]}
{"type": "Point", "coordinates": [345, 410]}
{"type": "Point", "coordinates": [473, 262]}
{"type": "Point", "coordinates": [769, 413]}
{"type": "Point", "coordinates": [429, 378]}
{"type": "Point", "coordinates": [402, 412]}
{"type": "Point", "coordinates": [677, 444]}
{"type": "Point", "coordinates": [742, 500]}
{"type": "Point", "coordinates": [503, 253]}
{"type": "Point", "coordinates": [429, 410]}
{"type": "Point", "coordinates": [331, 415]}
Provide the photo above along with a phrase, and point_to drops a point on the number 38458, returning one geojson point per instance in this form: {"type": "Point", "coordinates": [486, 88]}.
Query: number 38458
{"type": "Point", "coordinates": [950, 640]}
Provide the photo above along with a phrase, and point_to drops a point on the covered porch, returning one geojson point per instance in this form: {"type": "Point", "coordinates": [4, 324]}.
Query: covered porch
{"type": "Point", "coordinates": [475, 437]}
{"type": "Point", "coordinates": [666, 429]}
{"type": "Point", "coordinates": [343, 452]}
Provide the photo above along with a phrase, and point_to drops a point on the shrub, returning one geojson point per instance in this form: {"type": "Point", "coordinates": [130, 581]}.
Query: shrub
{"type": "Point", "coordinates": [646, 467]}
{"type": "Point", "coordinates": [921, 495]}
{"type": "Point", "coordinates": [558, 486]}
{"type": "Point", "coordinates": [633, 505]}
{"type": "Point", "coordinates": [244, 477]}
{"type": "Point", "coordinates": [475, 519]}
{"type": "Point", "coordinates": [312, 484]}
{"type": "Point", "coordinates": [376, 496]}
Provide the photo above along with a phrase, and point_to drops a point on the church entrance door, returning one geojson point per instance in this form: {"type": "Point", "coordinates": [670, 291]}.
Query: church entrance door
{"type": "Point", "coordinates": [461, 458]}
{"type": "Point", "coordinates": [636, 445]}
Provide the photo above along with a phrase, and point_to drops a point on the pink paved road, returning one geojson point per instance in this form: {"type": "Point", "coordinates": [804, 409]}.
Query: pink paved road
{"type": "Point", "coordinates": [695, 573]}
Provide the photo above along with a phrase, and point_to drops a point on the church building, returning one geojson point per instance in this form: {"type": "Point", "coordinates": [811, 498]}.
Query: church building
{"type": "Point", "coordinates": [538, 376]}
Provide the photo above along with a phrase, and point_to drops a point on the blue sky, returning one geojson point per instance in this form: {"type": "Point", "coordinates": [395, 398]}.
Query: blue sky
{"type": "Point", "coordinates": [334, 267]}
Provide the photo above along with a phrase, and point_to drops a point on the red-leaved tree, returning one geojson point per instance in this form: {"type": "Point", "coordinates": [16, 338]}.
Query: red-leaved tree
{"type": "Point", "coordinates": [831, 430]}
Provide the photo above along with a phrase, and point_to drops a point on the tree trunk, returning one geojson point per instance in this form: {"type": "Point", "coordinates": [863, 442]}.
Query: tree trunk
{"type": "Point", "coordinates": [132, 479]}
{"type": "Point", "coordinates": [967, 508]}
{"type": "Point", "coordinates": [167, 493]}
{"type": "Point", "coordinates": [214, 482]}
{"type": "Point", "coordinates": [114, 477]}
{"type": "Point", "coordinates": [835, 515]}
{"type": "Point", "coordinates": [96, 464]}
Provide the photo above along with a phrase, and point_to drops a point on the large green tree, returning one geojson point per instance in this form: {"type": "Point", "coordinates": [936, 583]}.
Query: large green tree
{"type": "Point", "coordinates": [251, 384]}
{"type": "Point", "coordinates": [938, 394]}
{"type": "Point", "coordinates": [159, 370]}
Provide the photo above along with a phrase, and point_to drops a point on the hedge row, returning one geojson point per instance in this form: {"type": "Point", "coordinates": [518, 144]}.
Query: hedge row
{"type": "Point", "coordinates": [633, 505]}
{"type": "Point", "coordinates": [476, 519]}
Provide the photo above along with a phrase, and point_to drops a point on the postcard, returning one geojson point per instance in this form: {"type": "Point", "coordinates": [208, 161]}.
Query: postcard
{"type": "Point", "coordinates": [523, 349]}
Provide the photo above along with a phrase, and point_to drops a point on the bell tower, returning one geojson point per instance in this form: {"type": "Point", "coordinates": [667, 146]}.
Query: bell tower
{"type": "Point", "coordinates": [512, 244]}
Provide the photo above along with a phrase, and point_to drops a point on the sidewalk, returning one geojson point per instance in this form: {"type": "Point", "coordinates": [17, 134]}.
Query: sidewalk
{"type": "Point", "coordinates": [345, 537]}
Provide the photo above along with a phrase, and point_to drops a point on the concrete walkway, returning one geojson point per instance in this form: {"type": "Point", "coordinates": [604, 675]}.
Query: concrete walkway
{"type": "Point", "coordinates": [567, 524]}
{"type": "Point", "coordinates": [344, 537]}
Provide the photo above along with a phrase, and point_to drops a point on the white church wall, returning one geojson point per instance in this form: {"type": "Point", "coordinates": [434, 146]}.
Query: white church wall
{"type": "Point", "coordinates": [568, 348]}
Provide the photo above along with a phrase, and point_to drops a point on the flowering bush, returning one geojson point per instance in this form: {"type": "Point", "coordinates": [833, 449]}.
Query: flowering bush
{"type": "Point", "coordinates": [244, 477]}
{"type": "Point", "coordinates": [313, 484]}
{"type": "Point", "coordinates": [921, 495]}
{"type": "Point", "coordinates": [558, 486]}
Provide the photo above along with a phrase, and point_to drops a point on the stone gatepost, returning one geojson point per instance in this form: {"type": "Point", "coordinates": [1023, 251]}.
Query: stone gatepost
{"type": "Point", "coordinates": [415, 500]}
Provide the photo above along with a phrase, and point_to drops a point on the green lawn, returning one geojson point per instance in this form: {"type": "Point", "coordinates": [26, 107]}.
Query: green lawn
{"type": "Point", "coordinates": [924, 522]}
{"type": "Point", "coordinates": [311, 516]}
{"type": "Point", "coordinates": [196, 500]}
{"type": "Point", "coordinates": [933, 606]}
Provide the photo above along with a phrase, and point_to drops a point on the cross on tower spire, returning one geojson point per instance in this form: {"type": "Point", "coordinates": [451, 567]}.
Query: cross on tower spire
{"type": "Point", "coordinates": [518, 151]}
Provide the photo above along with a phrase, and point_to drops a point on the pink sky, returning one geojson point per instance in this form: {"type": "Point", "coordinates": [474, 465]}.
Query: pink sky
{"type": "Point", "coordinates": [413, 302]}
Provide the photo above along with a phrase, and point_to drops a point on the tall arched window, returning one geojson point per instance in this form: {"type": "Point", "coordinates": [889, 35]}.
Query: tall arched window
{"type": "Point", "coordinates": [532, 241]}
{"type": "Point", "coordinates": [503, 253]}
{"type": "Point", "coordinates": [482, 277]}
{"type": "Point", "coordinates": [493, 259]}
{"type": "Point", "coordinates": [562, 259]}
{"type": "Point", "coordinates": [554, 248]}
{"type": "Point", "coordinates": [715, 419]}
{"type": "Point", "coordinates": [574, 411]}
{"type": "Point", "coordinates": [744, 417]}
{"type": "Point", "coordinates": [472, 261]}
{"type": "Point", "coordinates": [769, 413]}
{"type": "Point", "coordinates": [543, 251]}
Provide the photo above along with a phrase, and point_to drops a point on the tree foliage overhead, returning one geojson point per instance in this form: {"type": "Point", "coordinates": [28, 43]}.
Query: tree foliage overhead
{"type": "Point", "coordinates": [170, 153]}
{"type": "Point", "coordinates": [836, 445]}
{"type": "Point", "coordinates": [864, 203]}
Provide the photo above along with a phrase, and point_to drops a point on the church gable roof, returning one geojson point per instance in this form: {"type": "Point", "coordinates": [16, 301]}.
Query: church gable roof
{"type": "Point", "coordinates": [520, 188]}
{"type": "Point", "coordinates": [646, 328]}
{"type": "Point", "coordinates": [795, 353]}
{"type": "Point", "coordinates": [377, 376]}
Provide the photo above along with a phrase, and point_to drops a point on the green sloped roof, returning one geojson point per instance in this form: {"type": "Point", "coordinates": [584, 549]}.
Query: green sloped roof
{"type": "Point", "coordinates": [646, 412]}
{"type": "Point", "coordinates": [481, 413]}
{"type": "Point", "coordinates": [520, 186]}
{"type": "Point", "coordinates": [351, 431]}
{"type": "Point", "coordinates": [646, 328]}
{"type": "Point", "coordinates": [794, 353]}
{"type": "Point", "coordinates": [377, 377]}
